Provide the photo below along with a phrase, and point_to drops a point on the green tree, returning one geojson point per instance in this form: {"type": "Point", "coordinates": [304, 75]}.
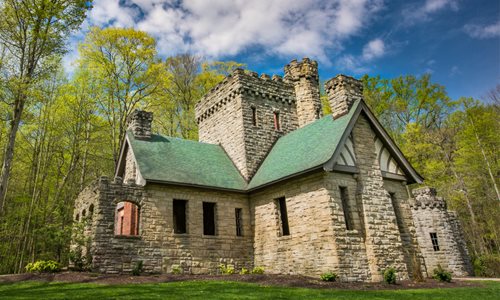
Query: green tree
{"type": "Point", "coordinates": [126, 63]}
{"type": "Point", "coordinates": [32, 34]}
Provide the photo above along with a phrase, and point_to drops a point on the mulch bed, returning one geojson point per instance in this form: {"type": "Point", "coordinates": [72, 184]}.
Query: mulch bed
{"type": "Point", "coordinates": [263, 280]}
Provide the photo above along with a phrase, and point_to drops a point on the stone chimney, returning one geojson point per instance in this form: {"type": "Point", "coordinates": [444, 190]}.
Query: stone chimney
{"type": "Point", "coordinates": [304, 77]}
{"type": "Point", "coordinates": [342, 92]}
{"type": "Point", "coordinates": [139, 122]}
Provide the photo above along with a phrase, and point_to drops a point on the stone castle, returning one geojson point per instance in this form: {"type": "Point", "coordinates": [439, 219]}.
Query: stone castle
{"type": "Point", "coordinates": [271, 183]}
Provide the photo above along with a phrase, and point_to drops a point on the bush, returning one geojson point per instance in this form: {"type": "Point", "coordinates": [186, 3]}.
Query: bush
{"type": "Point", "coordinates": [226, 270]}
{"type": "Point", "coordinates": [244, 271]}
{"type": "Point", "coordinates": [330, 276]}
{"type": "Point", "coordinates": [138, 268]}
{"type": "Point", "coordinates": [441, 274]}
{"type": "Point", "coordinates": [487, 265]}
{"type": "Point", "coordinates": [43, 266]}
{"type": "Point", "coordinates": [258, 270]}
{"type": "Point", "coordinates": [390, 276]}
{"type": "Point", "coordinates": [176, 269]}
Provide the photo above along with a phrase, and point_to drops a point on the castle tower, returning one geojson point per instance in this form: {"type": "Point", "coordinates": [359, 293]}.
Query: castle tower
{"type": "Point", "coordinates": [304, 77]}
{"type": "Point", "coordinates": [439, 233]}
{"type": "Point", "coordinates": [342, 92]}
{"type": "Point", "coordinates": [246, 114]}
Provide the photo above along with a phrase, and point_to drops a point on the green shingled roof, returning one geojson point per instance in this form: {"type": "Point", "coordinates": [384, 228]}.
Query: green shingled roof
{"type": "Point", "coordinates": [181, 161]}
{"type": "Point", "coordinates": [303, 149]}
{"type": "Point", "coordinates": [174, 160]}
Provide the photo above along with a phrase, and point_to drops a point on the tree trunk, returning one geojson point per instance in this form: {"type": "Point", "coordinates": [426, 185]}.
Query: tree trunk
{"type": "Point", "coordinates": [9, 149]}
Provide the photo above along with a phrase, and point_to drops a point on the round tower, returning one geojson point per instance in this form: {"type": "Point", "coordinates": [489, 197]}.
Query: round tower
{"type": "Point", "coordinates": [304, 77]}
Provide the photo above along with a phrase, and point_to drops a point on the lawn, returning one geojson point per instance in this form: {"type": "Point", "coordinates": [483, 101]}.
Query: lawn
{"type": "Point", "coordinates": [227, 290]}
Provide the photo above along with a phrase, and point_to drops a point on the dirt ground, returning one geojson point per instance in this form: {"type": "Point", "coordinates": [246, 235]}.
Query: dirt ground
{"type": "Point", "coordinates": [264, 280]}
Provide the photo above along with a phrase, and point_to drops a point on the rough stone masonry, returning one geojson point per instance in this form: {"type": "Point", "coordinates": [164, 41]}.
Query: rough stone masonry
{"type": "Point", "coordinates": [311, 193]}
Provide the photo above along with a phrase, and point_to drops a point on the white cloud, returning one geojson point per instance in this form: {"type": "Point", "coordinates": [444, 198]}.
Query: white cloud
{"type": "Point", "coordinates": [374, 49]}
{"type": "Point", "coordinates": [415, 13]}
{"type": "Point", "coordinates": [219, 28]}
{"type": "Point", "coordinates": [483, 32]}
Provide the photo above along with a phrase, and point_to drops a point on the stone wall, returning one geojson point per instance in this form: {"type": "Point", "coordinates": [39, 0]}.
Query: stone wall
{"type": "Point", "coordinates": [401, 201]}
{"type": "Point", "coordinates": [225, 116]}
{"type": "Point", "coordinates": [430, 215]}
{"type": "Point", "coordinates": [157, 246]}
{"type": "Point", "coordinates": [309, 249]}
{"type": "Point", "coordinates": [382, 238]}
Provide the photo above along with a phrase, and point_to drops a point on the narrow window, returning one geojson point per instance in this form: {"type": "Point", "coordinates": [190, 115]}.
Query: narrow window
{"type": "Point", "coordinates": [434, 240]}
{"type": "Point", "coordinates": [208, 218]}
{"type": "Point", "coordinates": [277, 121]}
{"type": "Point", "coordinates": [77, 218]}
{"type": "Point", "coordinates": [179, 217]}
{"type": "Point", "coordinates": [83, 213]}
{"type": "Point", "coordinates": [254, 116]}
{"type": "Point", "coordinates": [283, 216]}
{"type": "Point", "coordinates": [318, 113]}
{"type": "Point", "coordinates": [239, 223]}
{"type": "Point", "coordinates": [344, 197]}
{"type": "Point", "coordinates": [91, 211]}
{"type": "Point", "coordinates": [121, 224]}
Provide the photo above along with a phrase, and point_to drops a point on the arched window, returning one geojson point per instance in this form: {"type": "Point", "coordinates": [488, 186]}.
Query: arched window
{"type": "Point", "coordinates": [83, 213]}
{"type": "Point", "coordinates": [126, 219]}
{"type": "Point", "coordinates": [77, 217]}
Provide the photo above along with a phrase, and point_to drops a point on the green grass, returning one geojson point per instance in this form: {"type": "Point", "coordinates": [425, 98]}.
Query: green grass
{"type": "Point", "coordinates": [226, 290]}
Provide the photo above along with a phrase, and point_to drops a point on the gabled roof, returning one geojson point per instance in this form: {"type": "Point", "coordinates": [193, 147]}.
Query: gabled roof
{"type": "Point", "coordinates": [185, 162]}
{"type": "Point", "coordinates": [303, 150]}
{"type": "Point", "coordinates": [312, 147]}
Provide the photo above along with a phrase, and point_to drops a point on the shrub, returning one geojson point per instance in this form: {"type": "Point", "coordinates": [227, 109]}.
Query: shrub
{"type": "Point", "coordinates": [138, 268]}
{"type": "Point", "coordinates": [487, 265]}
{"type": "Point", "coordinates": [390, 276]}
{"type": "Point", "coordinates": [441, 274]}
{"type": "Point", "coordinates": [258, 270]}
{"type": "Point", "coordinates": [226, 270]}
{"type": "Point", "coordinates": [244, 271]}
{"type": "Point", "coordinates": [330, 276]}
{"type": "Point", "coordinates": [176, 269]}
{"type": "Point", "coordinates": [43, 266]}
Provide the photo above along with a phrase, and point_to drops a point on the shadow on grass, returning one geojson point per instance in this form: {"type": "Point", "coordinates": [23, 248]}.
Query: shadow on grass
{"type": "Point", "coordinates": [225, 290]}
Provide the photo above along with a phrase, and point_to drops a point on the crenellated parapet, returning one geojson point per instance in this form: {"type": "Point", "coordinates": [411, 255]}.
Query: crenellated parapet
{"type": "Point", "coordinates": [342, 92]}
{"type": "Point", "coordinates": [304, 69]}
{"type": "Point", "coordinates": [242, 82]}
{"type": "Point", "coordinates": [426, 197]}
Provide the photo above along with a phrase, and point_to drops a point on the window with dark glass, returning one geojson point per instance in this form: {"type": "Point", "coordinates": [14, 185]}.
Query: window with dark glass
{"type": "Point", "coordinates": [208, 218]}
{"type": "Point", "coordinates": [179, 217]}
{"type": "Point", "coordinates": [239, 223]}
{"type": "Point", "coordinates": [434, 240]}
{"type": "Point", "coordinates": [344, 197]}
{"type": "Point", "coordinates": [283, 216]}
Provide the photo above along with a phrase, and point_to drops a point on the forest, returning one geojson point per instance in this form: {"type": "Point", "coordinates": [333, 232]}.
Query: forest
{"type": "Point", "coordinates": [61, 130]}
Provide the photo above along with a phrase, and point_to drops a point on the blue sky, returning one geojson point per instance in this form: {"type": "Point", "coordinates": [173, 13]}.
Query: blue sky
{"type": "Point", "coordinates": [457, 41]}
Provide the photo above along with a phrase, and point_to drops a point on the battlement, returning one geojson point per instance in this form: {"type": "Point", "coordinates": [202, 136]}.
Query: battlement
{"type": "Point", "coordinates": [306, 68]}
{"type": "Point", "coordinates": [342, 92]}
{"type": "Point", "coordinates": [243, 82]}
{"type": "Point", "coordinates": [426, 197]}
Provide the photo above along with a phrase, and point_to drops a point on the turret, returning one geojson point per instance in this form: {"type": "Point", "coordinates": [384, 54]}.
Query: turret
{"type": "Point", "coordinates": [303, 76]}
{"type": "Point", "coordinates": [342, 92]}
